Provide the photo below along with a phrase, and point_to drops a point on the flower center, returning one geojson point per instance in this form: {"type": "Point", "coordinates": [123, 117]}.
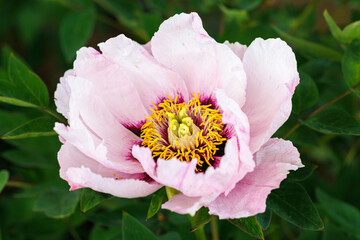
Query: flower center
{"type": "Point", "coordinates": [185, 131]}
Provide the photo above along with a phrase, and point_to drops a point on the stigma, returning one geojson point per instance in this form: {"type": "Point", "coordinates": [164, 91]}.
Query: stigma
{"type": "Point", "coordinates": [182, 131]}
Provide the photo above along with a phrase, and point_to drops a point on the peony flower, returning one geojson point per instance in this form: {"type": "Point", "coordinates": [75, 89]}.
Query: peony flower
{"type": "Point", "coordinates": [184, 112]}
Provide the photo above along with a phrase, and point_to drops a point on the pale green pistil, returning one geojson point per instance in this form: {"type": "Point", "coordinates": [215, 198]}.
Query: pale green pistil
{"type": "Point", "coordinates": [182, 131]}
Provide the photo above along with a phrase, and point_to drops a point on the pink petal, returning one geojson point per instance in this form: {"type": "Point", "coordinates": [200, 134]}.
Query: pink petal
{"type": "Point", "coordinates": [183, 204]}
{"type": "Point", "coordinates": [273, 162]}
{"type": "Point", "coordinates": [237, 48]}
{"type": "Point", "coordinates": [112, 84]}
{"type": "Point", "coordinates": [96, 149]}
{"type": "Point", "coordinates": [125, 188]}
{"type": "Point", "coordinates": [151, 79]}
{"type": "Point", "coordinates": [62, 94]}
{"type": "Point", "coordinates": [95, 131]}
{"type": "Point", "coordinates": [270, 66]}
{"type": "Point", "coordinates": [182, 176]}
{"type": "Point", "coordinates": [147, 47]}
{"type": "Point", "coordinates": [185, 47]}
{"type": "Point", "coordinates": [234, 117]}
{"type": "Point", "coordinates": [81, 171]}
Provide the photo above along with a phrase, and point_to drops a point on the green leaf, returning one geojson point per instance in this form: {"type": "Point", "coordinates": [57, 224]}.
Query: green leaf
{"type": "Point", "coordinates": [6, 51]}
{"type": "Point", "coordinates": [3, 76]}
{"type": "Point", "coordinates": [249, 225]}
{"type": "Point", "coordinates": [264, 218]}
{"type": "Point", "coordinates": [133, 229]}
{"type": "Point", "coordinates": [304, 136]}
{"type": "Point", "coordinates": [105, 233]}
{"type": "Point", "coordinates": [202, 217]}
{"type": "Point", "coordinates": [150, 23]}
{"type": "Point", "coordinates": [249, 5]}
{"type": "Point", "coordinates": [334, 28]}
{"type": "Point", "coordinates": [24, 85]}
{"type": "Point", "coordinates": [334, 121]}
{"type": "Point", "coordinates": [170, 192]}
{"type": "Point", "coordinates": [303, 18]}
{"type": "Point", "coordinates": [351, 32]}
{"type": "Point", "coordinates": [40, 188]}
{"type": "Point", "coordinates": [351, 64]}
{"type": "Point", "coordinates": [302, 173]}
{"type": "Point", "coordinates": [127, 13]}
{"type": "Point", "coordinates": [16, 102]}
{"type": "Point", "coordinates": [170, 236]}
{"type": "Point", "coordinates": [21, 158]}
{"type": "Point", "coordinates": [236, 15]}
{"type": "Point", "coordinates": [57, 203]}
{"type": "Point", "coordinates": [75, 30]}
{"type": "Point", "coordinates": [307, 235]}
{"type": "Point", "coordinates": [334, 232]}
{"type": "Point", "coordinates": [292, 203]}
{"type": "Point", "coordinates": [306, 94]}
{"type": "Point", "coordinates": [29, 24]}
{"type": "Point", "coordinates": [10, 120]}
{"type": "Point", "coordinates": [41, 126]}
{"type": "Point", "coordinates": [310, 48]}
{"type": "Point", "coordinates": [340, 212]}
{"type": "Point", "coordinates": [156, 201]}
{"type": "Point", "coordinates": [90, 199]}
{"type": "Point", "coordinates": [4, 176]}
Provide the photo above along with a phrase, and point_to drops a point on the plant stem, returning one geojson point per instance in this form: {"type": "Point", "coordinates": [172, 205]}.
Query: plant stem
{"type": "Point", "coordinates": [303, 16]}
{"type": "Point", "coordinates": [214, 228]}
{"type": "Point", "coordinates": [319, 110]}
{"type": "Point", "coordinates": [72, 230]}
{"type": "Point", "coordinates": [18, 184]}
{"type": "Point", "coordinates": [199, 232]}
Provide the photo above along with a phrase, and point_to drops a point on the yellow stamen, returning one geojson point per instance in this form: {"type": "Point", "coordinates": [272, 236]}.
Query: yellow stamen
{"type": "Point", "coordinates": [184, 139]}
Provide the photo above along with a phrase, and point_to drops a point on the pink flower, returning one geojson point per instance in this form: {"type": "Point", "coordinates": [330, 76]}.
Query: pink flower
{"type": "Point", "coordinates": [183, 111]}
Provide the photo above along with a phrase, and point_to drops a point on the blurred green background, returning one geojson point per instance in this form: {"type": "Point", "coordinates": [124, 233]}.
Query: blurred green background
{"type": "Point", "coordinates": [45, 34]}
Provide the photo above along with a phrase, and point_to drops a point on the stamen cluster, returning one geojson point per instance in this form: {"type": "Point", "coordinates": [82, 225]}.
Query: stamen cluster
{"type": "Point", "coordinates": [185, 131]}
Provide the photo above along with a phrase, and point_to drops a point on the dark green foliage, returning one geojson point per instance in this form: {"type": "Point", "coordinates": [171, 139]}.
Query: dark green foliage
{"type": "Point", "coordinates": [75, 30]}
{"type": "Point", "coordinates": [22, 87]}
{"type": "Point", "coordinates": [311, 48]}
{"type": "Point", "coordinates": [133, 229]}
{"type": "Point", "coordinates": [39, 40]}
{"type": "Point", "coordinates": [351, 64]}
{"type": "Point", "coordinates": [250, 225]}
{"type": "Point", "coordinates": [292, 203]}
{"type": "Point", "coordinates": [157, 199]}
{"type": "Point", "coordinates": [334, 121]}
{"type": "Point", "coordinates": [90, 199]}
{"type": "Point", "coordinates": [57, 203]}
{"type": "Point", "coordinates": [306, 94]}
{"type": "Point", "coordinates": [202, 217]}
{"type": "Point", "coordinates": [4, 176]}
{"type": "Point", "coordinates": [264, 219]}
{"type": "Point", "coordinates": [343, 214]}
{"type": "Point", "coordinates": [302, 173]}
